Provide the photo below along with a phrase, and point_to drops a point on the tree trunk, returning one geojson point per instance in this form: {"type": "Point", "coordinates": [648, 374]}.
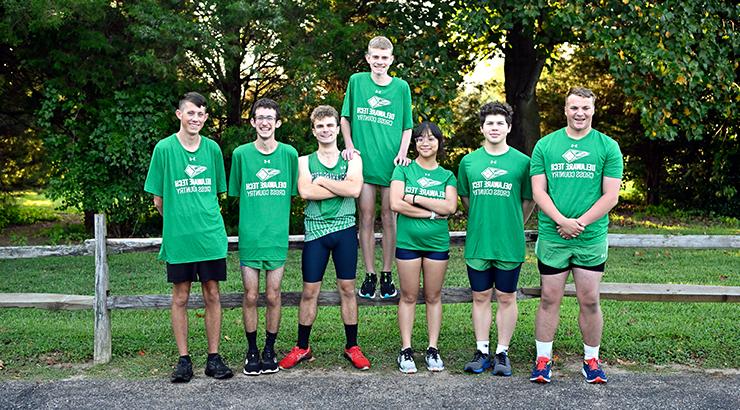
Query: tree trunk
{"type": "Point", "coordinates": [522, 68]}
{"type": "Point", "coordinates": [653, 159]}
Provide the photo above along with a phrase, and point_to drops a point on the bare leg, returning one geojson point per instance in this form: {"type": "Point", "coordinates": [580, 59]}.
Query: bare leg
{"type": "Point", "coordinates": [212, 299]}
{"type": "Point", "coordinates": [272, 295]}
{"type": "Point", "coordinates": [590, 319]}
{"type": "Point", "coordinates": [408, 276]}
{"type": "Point", "coordinates": [548, 312]}
{"type": "Point", "coordinates": [482, 314]}
{"type": "Point", "coordinates": [506, 316]}
{"type": "Point", "coordinates": [366, 225]}
{"type": "Point", "coordinates": [434, 276]}
{"type": "Point", "coordinates": [251, 281]}
{"type": "Point", "coordinates": [179, 315]}
{"type": "Point", "coordinates": [388, 218]}
{"type": "Point", "coordinates": [349, 302]}
{"type": "Point", "coordinates": [309, 301]}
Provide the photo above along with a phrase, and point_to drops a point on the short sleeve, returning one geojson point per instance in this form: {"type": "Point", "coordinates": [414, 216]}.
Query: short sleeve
{"type": "Point", "coordinates": [408, 118]}
{"type": "Point", "coordinates": [399, 174]}
{"type": "Point", "coordinates": [220, 170]}
{"type": "Point", "coordinates": [347, 104]}
{"type": "Point", "coordinates": [614, 165]}
{"type": "Point", "coordinates": [294, 171]}
{"type": "Point", "coordinates": [462, 179]}
{"type": "Point", "coordinates": [235, 174]}
{"type": "Point", "coordinates": [526, 181]}
{"type": "Point", "coordinates": [154, 179]}
{"type": "Point", "coordinates": [451, 180]}
{"type": "Point", "coordinates": [537, 163]}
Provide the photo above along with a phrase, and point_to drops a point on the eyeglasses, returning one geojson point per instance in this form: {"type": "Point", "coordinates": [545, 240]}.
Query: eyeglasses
{"type": "Point", "coordinates": [267, 118]}
{"type": "Point", "coordinates": [423, 138]}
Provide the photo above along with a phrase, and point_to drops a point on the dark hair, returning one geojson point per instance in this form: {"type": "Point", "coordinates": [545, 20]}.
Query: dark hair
{"type": "Point", "coordinates": [436, 133]}
{"type": "Point", "coordinates": [324, 111]}
{"type": "Point", "coordinates": [266, 103]}
{"type": "Point", "coordinates": [496, 108]}
{"type": "Point", "coordinates": [192, 97]}
{"type": "Point", "coordinates": [580, 92]}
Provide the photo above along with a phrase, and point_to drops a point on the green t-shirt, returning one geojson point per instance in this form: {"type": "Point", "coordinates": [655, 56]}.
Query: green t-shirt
{"type": "Point", "coordinates": [378, 115]}
{"type": "Point", "coordinates": [575, 169]}
{"type": "Point", "coordinates": [423, 234]}
{"type": "Point", "coordinates": [495, 186]}
{"type": "Point", "coordinates": [189, 183]}
{"type": "Point", "coordinates": [264, 185]}
{"type": "Point", "coordinates": [332, 214]}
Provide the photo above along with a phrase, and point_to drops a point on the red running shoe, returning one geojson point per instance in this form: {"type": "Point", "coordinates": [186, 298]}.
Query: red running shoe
{"type": "Point", "coordinates": [296, 356]}
{"type": "Point", "coordinates": [354, 355]}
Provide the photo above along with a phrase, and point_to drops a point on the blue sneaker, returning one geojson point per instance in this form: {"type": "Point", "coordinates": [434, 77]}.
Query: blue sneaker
{"type": "Point", "coordinates": [592, 371]}
{"type": "Point", "coordinates": [479, 364]}
{"type": "Point", "coordinates": [542, 370]}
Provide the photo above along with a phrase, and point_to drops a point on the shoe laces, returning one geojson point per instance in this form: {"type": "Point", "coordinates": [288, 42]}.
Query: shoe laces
{"type": "Point", "coordinates": [542, 362]}
{"type": "Point", "coordinates": [478, 355]}
{"type": "Point", "coordinates": [433, 353]}
{"type": "Point", "coordinates": [407, 354]}
{"type": "Point", "coordinates": [593, 363]}
{"type": "Point", "coordinates": [501, 358]}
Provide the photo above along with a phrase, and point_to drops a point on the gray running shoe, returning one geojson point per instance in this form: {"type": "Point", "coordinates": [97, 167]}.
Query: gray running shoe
{"type": "Point", "coordinates": [479, 364]}
{"type": "Point", "coordinates": [406, 361]}
{"type": "Point", "coordinates": [434, 362]}
{"type": "Point", "coordinates": [501, 364]}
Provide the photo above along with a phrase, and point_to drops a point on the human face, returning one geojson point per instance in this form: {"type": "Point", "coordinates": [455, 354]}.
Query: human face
{"type": "Point", "coordinates": [379, 60]}
{"type": "Point", "coordinates": [192, 118]}
{"type": "Point", "coordinates": [265, 123]}
{"type": "Point", "coordinates": [427, 145]}
{"type": "Point", "coordinates": [325, 130]}
{"type": "Point", "coordinates": [495, 129]}
{"type": "Point", "coordinates": [579, 111]}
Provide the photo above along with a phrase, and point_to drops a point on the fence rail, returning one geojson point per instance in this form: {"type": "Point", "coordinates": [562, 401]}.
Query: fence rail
{"type": "Point", "coordinates": [102, 302]}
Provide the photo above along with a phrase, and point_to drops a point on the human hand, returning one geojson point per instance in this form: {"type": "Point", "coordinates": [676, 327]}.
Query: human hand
{"type": "Point", "coordinates": [349, 153]}
{"type": "Point", "coordinates": [401, 160]}
{"type": "Point", "coordinates": [570, 228]}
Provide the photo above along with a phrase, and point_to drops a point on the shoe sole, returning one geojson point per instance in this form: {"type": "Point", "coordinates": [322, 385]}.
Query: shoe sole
{"type": "Point", "coordinates": [346, 356]}
{"type": "Point", "coordinates": [257, 373]}
{"type": "Point", "coordinates": [270, 371]}
{"type": "Point", "coordinates": [435, 369]}
{"type": "Point", "coordinates": [386, 296]}
{"type": "Point", "coordinates": [180, 380]}
{"type": "Point", "coordinates": [597, 380]}
{"type": "Point", "coordinates": [221, 376]}
{"type": "Point", "coordinates": [366, 296]}
{"type": "Point", "coordinates": [539, 379]}
{"type": "Point", "coordinates": [407, 371]}
{"type": "Point", "coordinates": [303, 359]}
{"type": "Point", "coordinates": [501, 373]}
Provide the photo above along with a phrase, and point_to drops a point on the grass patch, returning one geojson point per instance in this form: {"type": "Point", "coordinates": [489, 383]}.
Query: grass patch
{"type": "Point", "coordinates": [41, 344]}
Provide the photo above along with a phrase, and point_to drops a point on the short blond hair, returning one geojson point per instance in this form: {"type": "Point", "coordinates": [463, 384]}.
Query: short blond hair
{"type": "Point", "coordinates": [582, 92]}
{"type": "Point", "coordinates": [380, 42]}
{"type": "Point", "coordinates": [323, 111]}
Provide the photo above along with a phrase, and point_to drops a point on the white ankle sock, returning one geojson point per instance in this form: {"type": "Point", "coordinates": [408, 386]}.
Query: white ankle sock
{"type": "Point", "coordinates": [501, 348]}
{"type": "Point", "coordinates": [590, 352]}
{"type": "Point", "coordinates": [482, 345]}
{"type": "Point", "coordinates": [544, 349]}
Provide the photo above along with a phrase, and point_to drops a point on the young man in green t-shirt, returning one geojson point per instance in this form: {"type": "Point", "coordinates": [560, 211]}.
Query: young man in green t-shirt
{"type": "Point", "coordinates": [494, 185]}
{"type": "Point", "coordinates": [263, 177]}
{"type": "Point", "coordinates": [329, 184]}
{"type": "Point", "coordinates": [576, 173]}
{"type": "Point", "coordinates": [376, 123]}
{"type": "Point", "coordinates": [186, 174]}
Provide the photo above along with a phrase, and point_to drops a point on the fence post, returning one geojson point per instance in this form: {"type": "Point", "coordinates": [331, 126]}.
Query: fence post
{"type": "Point", "coordinates": [102, 351]}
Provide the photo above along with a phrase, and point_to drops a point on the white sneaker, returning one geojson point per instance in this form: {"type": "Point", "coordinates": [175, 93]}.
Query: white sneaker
{"type": "Point", "coordinates": [434, 362]}
{"type": "Point", "coordinates": [406, 361]}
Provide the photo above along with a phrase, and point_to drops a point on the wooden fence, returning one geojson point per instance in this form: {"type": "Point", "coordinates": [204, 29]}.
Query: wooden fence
{"type": "Point", "coordinates": [103, 302]}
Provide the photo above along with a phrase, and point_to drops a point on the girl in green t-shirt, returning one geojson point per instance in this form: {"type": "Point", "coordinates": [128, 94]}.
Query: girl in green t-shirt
{"type": "Point", "coordinates": [424, 194]}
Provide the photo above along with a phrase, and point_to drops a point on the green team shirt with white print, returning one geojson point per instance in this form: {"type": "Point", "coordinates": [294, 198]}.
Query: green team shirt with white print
{"type": "Point", "coordinates": [423, 234]}
{"type": "Point", "coordinates": [189, 183]}
{"type": "Point", "coordinates": [378, 115]}
{"type": "Point", "coordinates": [328, 215]}
{"type": "Point", "coordinates": [574, 169]}
{"type": "Point", "coordinates": [495, 186]}
{"type": "Point", "coordinates": [264, 184]}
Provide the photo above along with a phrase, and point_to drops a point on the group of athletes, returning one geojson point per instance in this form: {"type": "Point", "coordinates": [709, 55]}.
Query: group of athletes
{"type": "Point", "coordinates": [573, 176]}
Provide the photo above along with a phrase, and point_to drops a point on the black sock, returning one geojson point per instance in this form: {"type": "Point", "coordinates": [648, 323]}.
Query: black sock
{"type": "Point", "coordinates": [212, 355]}
{"type": "Point", "coordinates": [303, 333]}
{"type": "Point", "coordinates": [186, 357]}
{"type": "Point", "coordinates": [270, 340]}
{"type": "Point", "coordinates": [252, 341]}
{"type": "Point", "coordinates": [350, 331]}
{"type": "Point", "coordinates": [385, 276]}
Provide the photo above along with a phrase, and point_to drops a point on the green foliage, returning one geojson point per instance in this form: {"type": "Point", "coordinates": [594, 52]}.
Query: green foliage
{"type": "Point", "coordinates": [11, 213]}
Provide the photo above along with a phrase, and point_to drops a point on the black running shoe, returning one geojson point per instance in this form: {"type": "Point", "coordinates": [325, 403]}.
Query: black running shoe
{"type": "Point", "coordinates": [183, 371]}
{"type": "Point", "coordinates": [387, 288]}
{"type": "Point", "coordinates": [252, 363]}
{"type": "Point", "coordinates": [367, 290]}
{"type": "Point", "coordinates": [269, 363]}
{"type": "Point", "coordinates": [216, 368]}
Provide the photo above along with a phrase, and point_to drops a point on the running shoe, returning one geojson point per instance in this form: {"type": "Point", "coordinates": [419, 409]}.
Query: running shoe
{"type": "Point", "coordinates": [183, 371]}
{"type": "Point", "coordinates": [296, 356]}
{"type": "Point", "coordinates": [479, 364]}
{"type": "Point", "coordinates": [216, 368]}
{"type": "Point", "coordinates": [252, 363]}
{"type": "Point", "coordinates": [269, 363]}
{"type": "Point", "coordinates": [354, 355]}
{"type": "Point", "coordinates": [501, 364]}
{"type": "Point", "coordinates": [542, 370]}
{"type": "Point", "coordinates": [406, 361]}
{"type": "Point", "coordinates": [434, 362]}
{"type": "Point", "coordinates": [593, 372]}
{"type": "Point", "coordinates": [367, 290]}
{"type": "Point", "coordinates": [387, 288]}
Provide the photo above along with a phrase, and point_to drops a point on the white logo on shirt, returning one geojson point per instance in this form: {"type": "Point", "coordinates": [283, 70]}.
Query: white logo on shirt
{"type": "Point", "coordinates": [266, 173]}
{"type": "Point", "coordinates": [490, 173]}
{"type": "Point", "coordinates": [193, 170]}
{"type": "Point", "coordinates": [427, 182]}
{"type": "Point", "coordinates": [574, 154]}
{"type": "Point", "coordinates": [376, 102]}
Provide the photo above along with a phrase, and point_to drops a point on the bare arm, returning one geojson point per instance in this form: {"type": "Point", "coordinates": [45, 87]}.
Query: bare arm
{"type": "Point", "coordinates": [403, 151]}
{"type": "Point", "coordinates": [306, 188]}
{"type": "Point", "coordinates": [158, 204]}
{"type": "Point", "coordinates": [527, 208]}
{"type": "Point", "coordinates": [446, 206]}
{"type": "Point", "coordinates": [608, 200]}
{"type": "Point", "coordinates": [349, 147]}
{"type": "Point", "coordinates": [402, 207]}
{"type": "Point", "coordinates": [350, 186]}
{"type": "Point", "coordinates": [567, 227]}
{"type": "Point", "coordinates": [466, 203]}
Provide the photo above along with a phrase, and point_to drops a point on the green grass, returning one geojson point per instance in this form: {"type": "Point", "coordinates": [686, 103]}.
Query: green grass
{"type": "Point", "coordinates": [41, 344]}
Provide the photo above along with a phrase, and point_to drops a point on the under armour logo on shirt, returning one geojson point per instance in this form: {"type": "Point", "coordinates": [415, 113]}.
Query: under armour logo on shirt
{"type": "Point", "coordinates": [191, 158]}
{"type": "Point", "coordinates": [267, 161]}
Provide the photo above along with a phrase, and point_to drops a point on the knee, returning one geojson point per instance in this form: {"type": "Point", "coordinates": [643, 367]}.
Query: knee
{"type": "Point", "coordinates": [433, 298]}
{"type": "Point", "coordinates": [481, 297]}
{"type": "Point", "coordinates": [272, 298]}
{"type": "Point", "coordinates": [386, 214]}
{"type": "Point", "coordinates": [347, 291]}
{"type": "Point", "coordinates": [212, 297]}
{"type": "Point", "coordinates": [180, 300]}
{"type": "Point", "coordinates": [506, 300]}
{"type": "Point", "coordinates": [408, 298]}
{"type": "Point", "coordinates": [309, 294]}
{"type": "Point", "coordinates": [589, 303]}
{"type": "Point", "coordinates": [251, 297]}
{"type": "Point", "coordinates": [550, 299]}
